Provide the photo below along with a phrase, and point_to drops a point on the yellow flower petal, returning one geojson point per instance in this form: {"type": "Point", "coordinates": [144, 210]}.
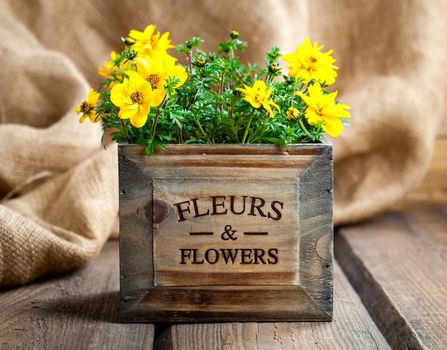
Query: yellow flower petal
{"type": "Point", "coordinates": [118, 96]}
{"type": "Point", "coordinates": [245, 91]}
{"type": "Point", "coordinates": [128, 111]}
{"type": "Point", "coordinates": [308, 100]}
{"type": "Point", "coordinates": [180, 72]}
{"type": "Point", "coordinates": [82, 118]}
{"type": "Point", "coordinates": [149, 30]}
{"type": "Point", "coordinates": [92, 97]}
{"type": "Point", "coordinates": [337, 110]}
{"type": "Point", "coordinates": [252, 101]}
{"type": "Point", "coordinates": [138, 119]}
{"type": "Point", "coordinates": [315, 91]}
{"type": "Point", "coordinates": [268, 109]}
{"type": "Point", "coordinates": [333, 126]}
{"type": "Point", "coordinates": [259, 85]}
{"type": "Point", "coordinates": [94, 117]}
{"type": "Point", "coordinates": [312, 116]}
{"type": "Point", "coordinates": [157, 97]}
{"type": "Point", "coordinates": [142, 67]}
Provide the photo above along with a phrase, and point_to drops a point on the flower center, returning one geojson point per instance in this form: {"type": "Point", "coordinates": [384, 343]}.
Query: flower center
{"type": "Point", "coordinates": [86, 108]}
{"type": "Point", "coordinates": [154, 41]}
{"type": "Point", "coordinates": [311, 64]}
{"type": "Point", "coordinates": [154, 80]}
{"type": "Point", "coordinates": [137, 97]}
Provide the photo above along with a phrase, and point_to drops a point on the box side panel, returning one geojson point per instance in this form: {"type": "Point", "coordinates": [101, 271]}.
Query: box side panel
{"type": "Point", "coordinates": [135, 215]}
{"type": "Point", "coordinates": [316, 218]}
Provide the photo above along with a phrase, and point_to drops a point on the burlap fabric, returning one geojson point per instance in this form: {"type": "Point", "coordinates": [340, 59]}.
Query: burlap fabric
{"type": "Point", "coordinates": [59, 186]}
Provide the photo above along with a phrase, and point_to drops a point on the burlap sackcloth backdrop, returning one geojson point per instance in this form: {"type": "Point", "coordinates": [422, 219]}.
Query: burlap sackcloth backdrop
{"type": "Point", "coordinates": [59, 187]}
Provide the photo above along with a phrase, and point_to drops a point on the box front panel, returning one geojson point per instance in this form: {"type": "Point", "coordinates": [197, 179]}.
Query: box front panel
{"type": "Point", "coordinates": [226, 231]}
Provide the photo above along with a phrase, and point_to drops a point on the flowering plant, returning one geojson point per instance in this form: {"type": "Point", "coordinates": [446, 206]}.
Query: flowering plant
{"type": "Point", "coordinates": [148, 98]}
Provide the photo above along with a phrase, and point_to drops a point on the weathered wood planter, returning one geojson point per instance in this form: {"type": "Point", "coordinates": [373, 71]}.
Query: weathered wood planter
{"type": "Point", "coordinates": [226, 233]}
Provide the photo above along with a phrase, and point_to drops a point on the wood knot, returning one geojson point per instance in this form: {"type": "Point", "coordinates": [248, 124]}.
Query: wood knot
{"type": "Point", "coordinates": [156, 211]}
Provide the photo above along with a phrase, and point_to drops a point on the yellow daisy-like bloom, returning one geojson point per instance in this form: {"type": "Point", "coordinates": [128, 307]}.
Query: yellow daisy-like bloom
{"type": "Point", "coordinates": [87, 107]}
{"type": "Point", "coordinates": [322, 108]}
{"type": "Point", "coordinates": [134, 98]}
{"type": "Point", "coordinates": [156, 70]}
{"type": "Point", "coordinates": [258, 96]}
{"type": "Point", "coordinates": [148, 42]}
{"type": "Point", "coordinates": [292, 113]}
{"type": "Point", "coordinates": [110, 70]}
{"type": "Point", "coordinates": [309, 63]}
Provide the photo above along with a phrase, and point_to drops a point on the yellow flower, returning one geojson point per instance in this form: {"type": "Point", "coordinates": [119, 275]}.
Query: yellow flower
{"type": "Point", "coordinates": [156, 70]}
{"type": "Point", "coordinates": [322, 108]}
{"type": "Point", "coordinates": [87, 108]}
{"type": "Point", "coordinates": [148, 42]}
{"type": "Point", "coordinates": [292, 113]}
{"type": "Point", "coordinates": [110, 70]}
{"type": "Point", "coordinates": [258, 96]}
{"type": "Point", "coordinates": [134, 97]}
{"type": "Point", "coordinates": [309, 63]}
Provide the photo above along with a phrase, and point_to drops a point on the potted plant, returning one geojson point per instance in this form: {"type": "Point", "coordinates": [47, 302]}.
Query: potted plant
{"type": "Point", "coordinates": [225, 179]}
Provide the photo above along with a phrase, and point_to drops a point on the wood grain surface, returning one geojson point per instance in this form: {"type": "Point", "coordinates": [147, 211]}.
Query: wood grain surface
{"type": "Point", "coordinates": [78, 310]}
{"type": "Point", "coordinates": [178, 221]}
{"type": "Point", "coordinates": [352, 328]}
{"type": "Point", "coordinates": [397, 263]}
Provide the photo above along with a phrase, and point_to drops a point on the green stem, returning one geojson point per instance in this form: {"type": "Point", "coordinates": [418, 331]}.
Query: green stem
{"type": "Point", "coordinates": [154, 126]}
{"type": "Point", "coordinates": [180, 134]}
{"type": "Point", "coordinates": [221, 89]}
{"type": "Point", "coordinates": [260, 130]}
{"type": "Point", "coordinates": [140, 135]}
{"type": "Point", "coordinates": [189, 55]}
{"type": "Point", "coordinates": [247, 127]}
{"type": "Point", "coordinates": [126, 132]}
{"type": "Point", "coordinates": [190, 102]}
{"type": "Point", "coordinates": [236, 137]}
{"type": "Point", "coordinates": [201, 130]}
{"type": "Point", "coordinates": [266, 78]}
{"type": "Point", "coordinates": [305, 130]}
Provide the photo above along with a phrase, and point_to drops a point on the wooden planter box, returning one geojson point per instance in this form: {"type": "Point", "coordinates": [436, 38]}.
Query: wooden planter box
{"type": "Point", "coordinates": [226, 233]}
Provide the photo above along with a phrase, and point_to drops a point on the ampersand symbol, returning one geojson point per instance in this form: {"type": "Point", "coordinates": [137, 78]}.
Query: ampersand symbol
{"type": "Point", "coordinates": [228, 233]}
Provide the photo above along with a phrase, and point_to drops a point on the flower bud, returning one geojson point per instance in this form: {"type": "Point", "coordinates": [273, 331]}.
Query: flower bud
{"type": "Point", "coordinates": [234, 34]}
{"type": "Point", "coordinates": [199, 62]}
{"type": "Point", "coordinates": [292, 114]}
{"type": "Point", "coordinates": [273, 68]}
{"type": "Point", "coordinates": [127, 41]}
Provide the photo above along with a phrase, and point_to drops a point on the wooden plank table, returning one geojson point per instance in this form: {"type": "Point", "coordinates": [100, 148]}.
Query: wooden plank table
{"type": "Point", "coordinates": [390, 290]}
{"type": "Point", "coordinates": [352, 328]}
{"type": "Point", "coordinates": [403, 279]}
{"type": "Point", "coordinates": [395, 264]}
{"type": "Point", "coordinates": [78, 310]}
